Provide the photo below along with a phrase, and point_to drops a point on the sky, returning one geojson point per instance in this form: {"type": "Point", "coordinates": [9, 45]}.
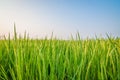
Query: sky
{"type": "Point", "coordinates": [63, 18]}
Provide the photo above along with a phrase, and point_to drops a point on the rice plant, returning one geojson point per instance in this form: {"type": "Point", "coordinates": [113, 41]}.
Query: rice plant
{"type": "Point", "coordinates": [54, 59]}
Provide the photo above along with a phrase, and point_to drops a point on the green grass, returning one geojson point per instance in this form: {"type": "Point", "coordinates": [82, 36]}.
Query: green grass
{"type": "Point", "coordinates": [90, 59]}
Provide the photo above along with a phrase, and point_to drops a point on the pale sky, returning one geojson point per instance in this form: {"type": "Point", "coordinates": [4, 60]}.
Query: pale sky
{"type": "Point", "coordinates": [40, 18]}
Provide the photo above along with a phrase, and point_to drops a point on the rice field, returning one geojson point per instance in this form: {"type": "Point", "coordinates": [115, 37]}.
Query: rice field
{"type": "Point", "coordinates": [53, 59]}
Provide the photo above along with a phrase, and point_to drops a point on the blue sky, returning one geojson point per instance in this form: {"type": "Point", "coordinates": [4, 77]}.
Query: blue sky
{"type": "Point", "coordinates": [40, 18]}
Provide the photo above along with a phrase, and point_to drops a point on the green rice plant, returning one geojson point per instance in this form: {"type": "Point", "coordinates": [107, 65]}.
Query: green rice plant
{"type": "Point", "coordinates": [54, 59]}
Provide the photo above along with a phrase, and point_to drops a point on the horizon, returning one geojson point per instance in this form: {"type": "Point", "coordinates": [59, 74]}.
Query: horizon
{"type": "Point", "coordinates": [70, 37]}
{"type": "Point", "coordinates": [62, 18]}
